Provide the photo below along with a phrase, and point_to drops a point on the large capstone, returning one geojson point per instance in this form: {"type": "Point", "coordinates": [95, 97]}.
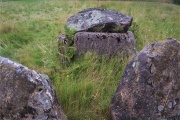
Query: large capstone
{"type": "Point", "coordinates": [109, 44]}
{"type": "Point", "coordinates": [150, 86]}
{"type": "Point", "coordinates": [26, 95]}
{"type": "Point", "coordinates": [99, 20]}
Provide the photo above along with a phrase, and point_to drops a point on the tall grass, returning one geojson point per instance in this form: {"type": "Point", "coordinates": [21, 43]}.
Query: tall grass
{"type": "Point", "coordinates": [85, 85]}
{"type": "Point", "coordinates": [29, 31]}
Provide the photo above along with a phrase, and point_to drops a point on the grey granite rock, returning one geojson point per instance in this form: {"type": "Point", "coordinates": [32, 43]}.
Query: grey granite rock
{"type": "Point", "coordinates": [150, 86]}
{"type": "Point", "coordinates": [109, 44]}
{"type": "Point", "coordinates": [26, 95]}
{"type": "Point", "coordinates": [99, 20]}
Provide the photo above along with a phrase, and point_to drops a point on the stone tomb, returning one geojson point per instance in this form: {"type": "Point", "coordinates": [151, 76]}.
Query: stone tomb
{"type": "Point", "coordinates": [102, 31]}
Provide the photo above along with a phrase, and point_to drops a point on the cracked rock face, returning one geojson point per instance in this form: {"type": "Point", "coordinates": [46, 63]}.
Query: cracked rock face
{"type": "Point", "coordinates": [109, 44]}
{"type": "Point", "coordinates": [99, 20]}
{"type": "Point", "coordinates": [150, 86]}
{"type": "Point", "coordinates": [26, 95]}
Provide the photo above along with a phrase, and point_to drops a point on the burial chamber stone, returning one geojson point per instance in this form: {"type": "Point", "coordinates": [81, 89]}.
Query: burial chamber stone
{"type": "Point", "coordinates": [150, 86]}
{"type": "Point", "coordinates": [109, 44]}
{"type": "Point", "coordinates": [26, 95]}
{"type": "Point", "coordinates": [99, 20]}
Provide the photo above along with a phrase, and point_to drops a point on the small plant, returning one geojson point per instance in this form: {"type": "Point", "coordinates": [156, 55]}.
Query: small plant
{"type": "Point", "coordinates": [70, 32]}
{"type": "Point", "coordinates": [66, 44]}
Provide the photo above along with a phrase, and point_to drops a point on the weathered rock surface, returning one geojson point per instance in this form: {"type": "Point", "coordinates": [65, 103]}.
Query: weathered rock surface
{"type": "Point", "coordinates": [99, 20]}
{"type": "Point", "coordinates": [26, 95]}
{"type": "Point", "coordinates": [150, 86]}
{"type": "Point", "coordinates": [105, 43]}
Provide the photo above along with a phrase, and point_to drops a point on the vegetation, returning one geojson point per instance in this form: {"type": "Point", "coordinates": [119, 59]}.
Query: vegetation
{"type": "Point", "coordinates": [85, 86]}
{"type": "Point", "coordinates": [66, 46]}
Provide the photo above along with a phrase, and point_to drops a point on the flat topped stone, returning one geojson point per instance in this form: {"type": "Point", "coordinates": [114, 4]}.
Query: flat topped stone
{"type": "Point", "coordinates": [26, 95]}
{"type": "Point", "coordinates": [150, 86]}
{"type": "Point", "coordinates": [99, 20]}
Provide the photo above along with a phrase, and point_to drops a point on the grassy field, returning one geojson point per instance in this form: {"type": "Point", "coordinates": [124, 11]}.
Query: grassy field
{"type": "Point", "coordinates": [85, 86]}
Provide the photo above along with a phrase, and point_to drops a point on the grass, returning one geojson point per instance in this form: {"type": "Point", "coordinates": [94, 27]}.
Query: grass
{"type": "Point", "coordinates": [29, 31]}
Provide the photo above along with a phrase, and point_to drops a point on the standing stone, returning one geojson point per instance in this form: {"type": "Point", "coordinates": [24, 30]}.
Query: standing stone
{"type": "Point", "coordinates": [99, 20]}
{"type": "Point", "coordinates": [109, 44]}
{"type": "Point", "coordinates": [26, 95]}
{"type": "Point", "coordinates": [150, 86]}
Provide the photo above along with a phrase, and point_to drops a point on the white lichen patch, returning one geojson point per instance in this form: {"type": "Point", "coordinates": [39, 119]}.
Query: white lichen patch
{"type": "Point", "coordinates": [94, 18]}
{"type": "Point", "coordinates": [134, 64]}
{"type": "Point", "coordinates": [49, 94]}
{"type": "Point", "coordinates": [160, 108]}
{"type": "Point", "coordinates": [110, 18]}
{"type": "Point", "coordinates": [170, 105]}
{"type": "Point", "coordinates": [31, 79]}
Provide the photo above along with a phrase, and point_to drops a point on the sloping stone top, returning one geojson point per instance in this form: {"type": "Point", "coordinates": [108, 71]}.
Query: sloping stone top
{"type": "Point", "coordinates": [99, 20]}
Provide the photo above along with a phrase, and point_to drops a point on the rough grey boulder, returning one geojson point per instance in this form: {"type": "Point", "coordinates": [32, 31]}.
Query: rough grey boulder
{"type": "Point", "coordinates": [99, 20]}
{"type": "Point", "coordinates": [105, 43]}
{"type": "Point", "coordinates": [150, 86]}
{"type": "Point", "coordinates": [26, 95]}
